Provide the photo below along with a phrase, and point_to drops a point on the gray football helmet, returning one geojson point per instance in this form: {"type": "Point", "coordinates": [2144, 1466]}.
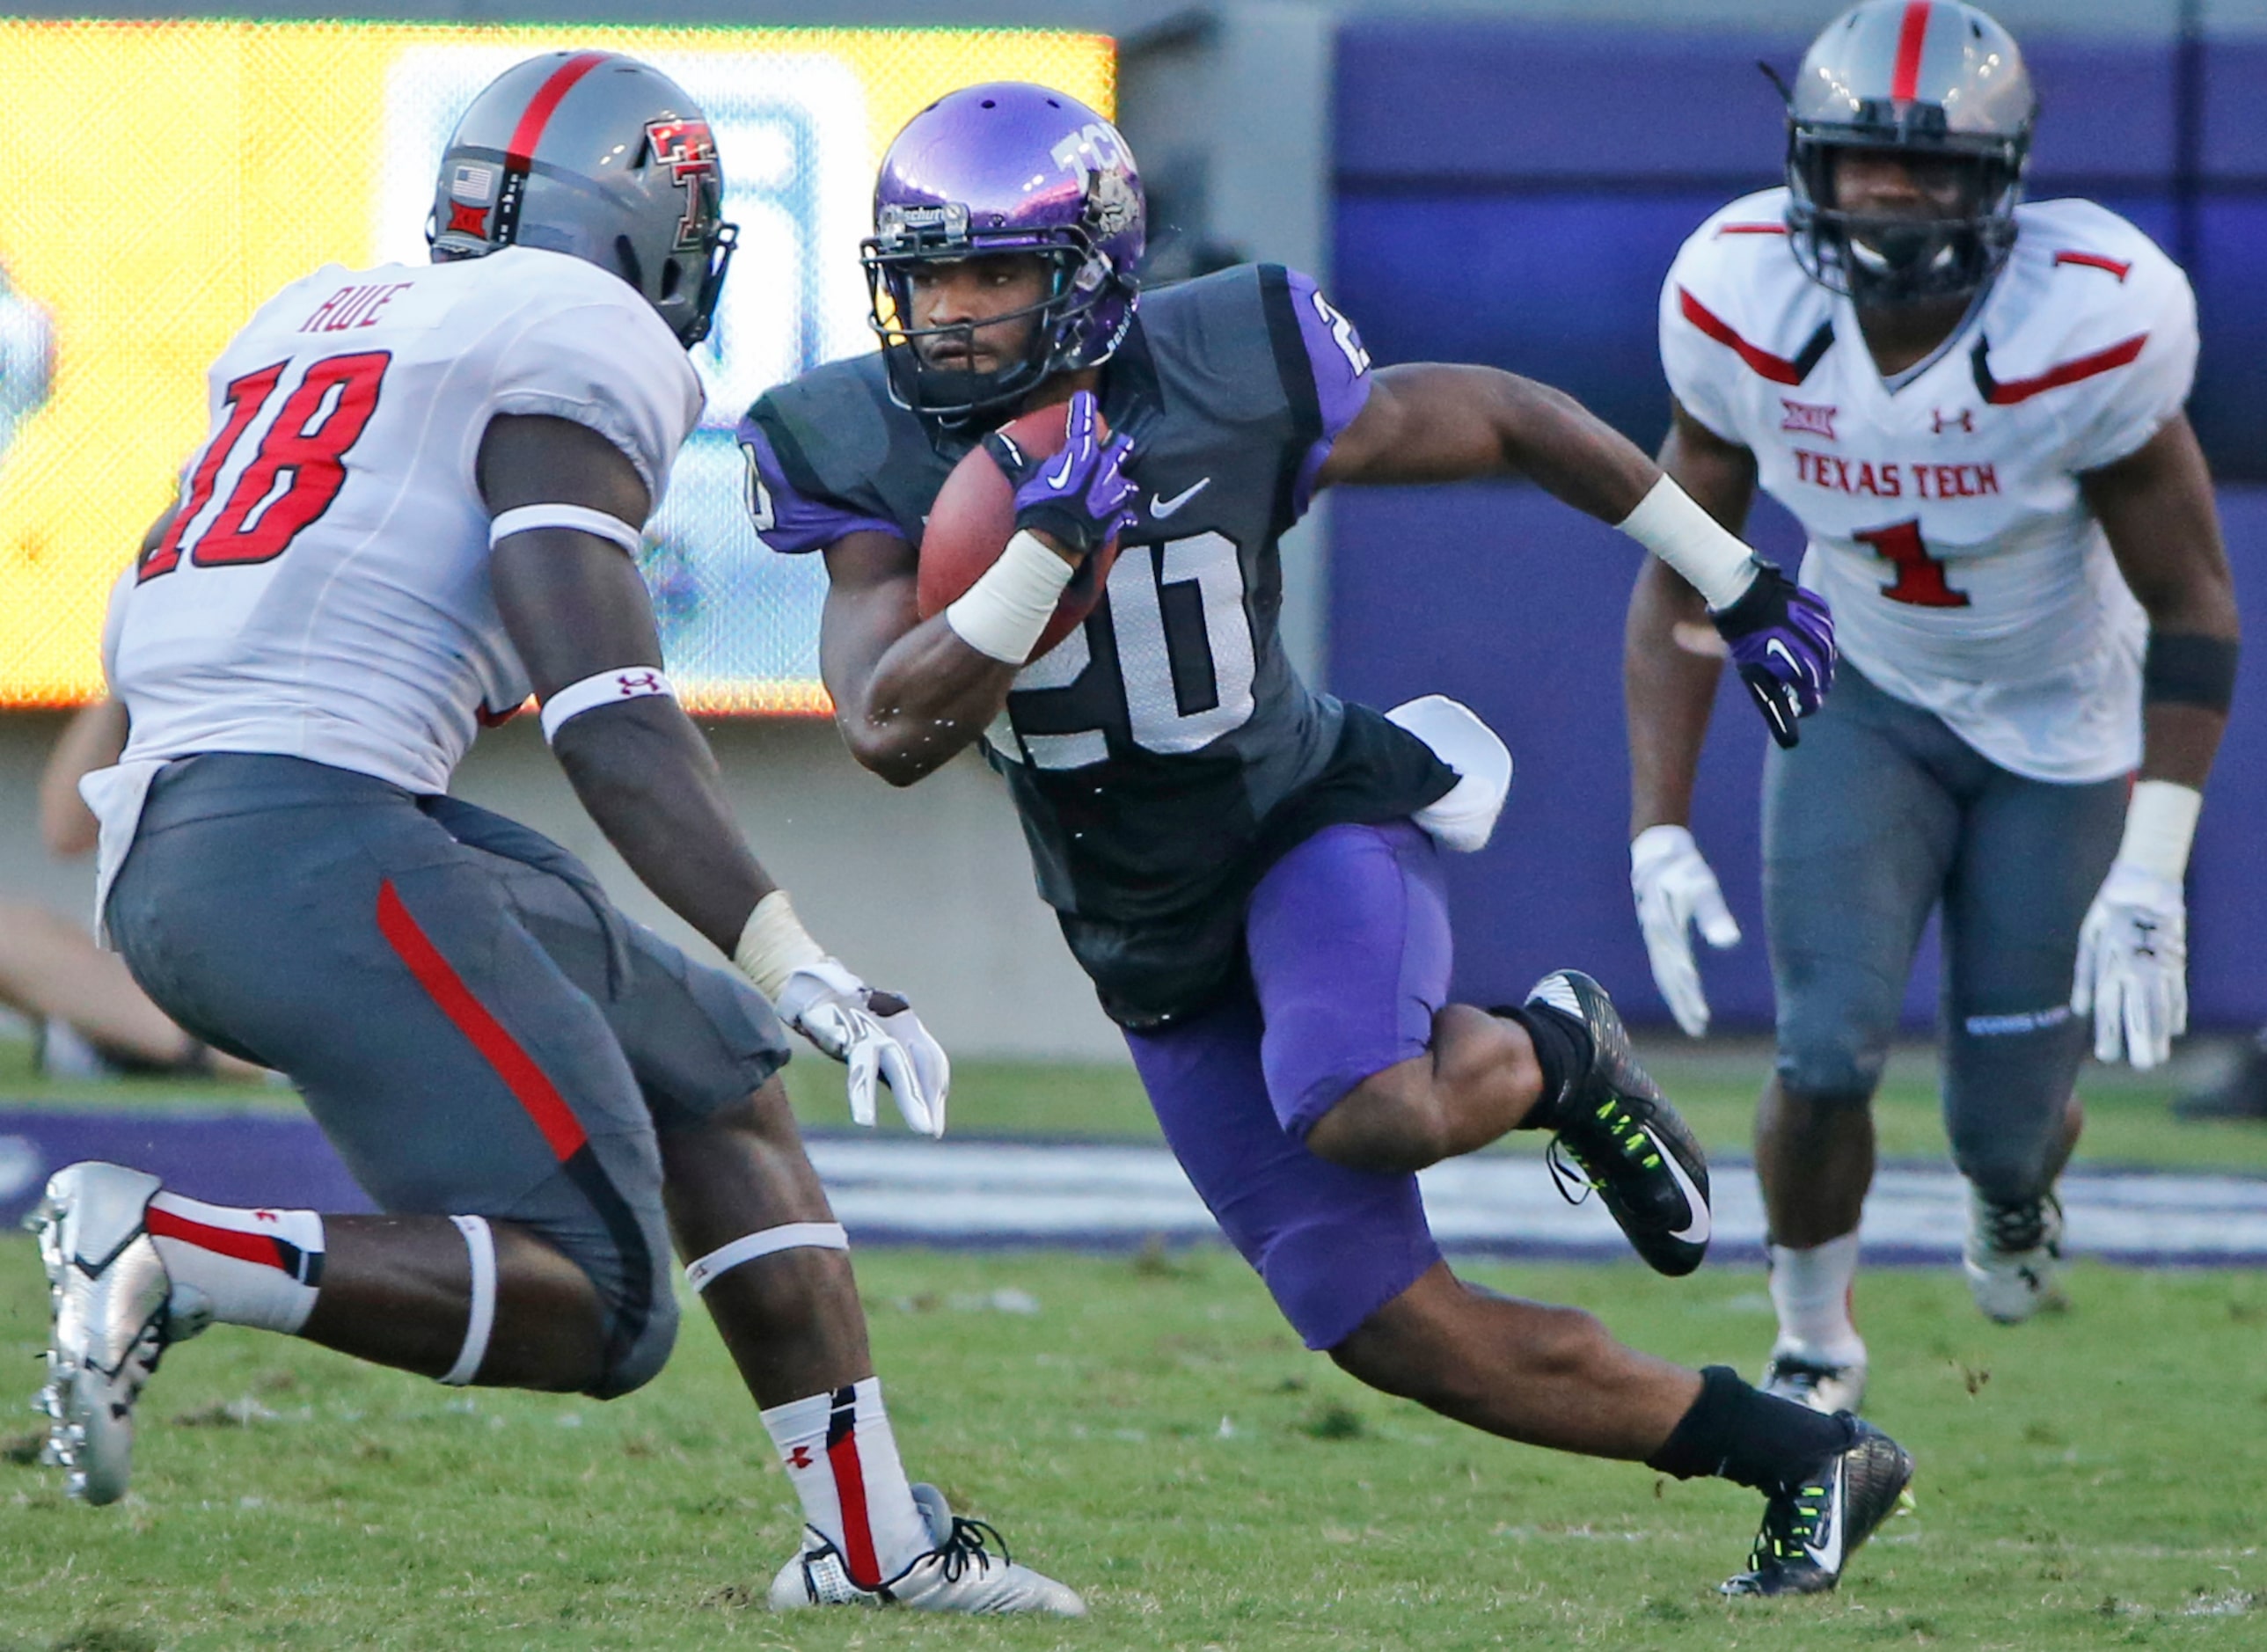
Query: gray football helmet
{"type": "Point", "coordinates": [1931, 78]}
{"type": "Point", "coordinates": [599, 156]}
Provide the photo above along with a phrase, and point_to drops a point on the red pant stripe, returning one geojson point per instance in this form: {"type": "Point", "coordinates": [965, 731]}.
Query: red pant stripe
{"type": "Point", "coordinates": [503, 1052]}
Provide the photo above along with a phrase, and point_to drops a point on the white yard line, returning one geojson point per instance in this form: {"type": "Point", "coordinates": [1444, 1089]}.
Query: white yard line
{"type": "Point", "coordinates": [1000, 1194]}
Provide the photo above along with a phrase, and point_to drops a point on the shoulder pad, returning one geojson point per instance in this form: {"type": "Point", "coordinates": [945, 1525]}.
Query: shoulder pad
{"type": "Point", "coordinates": [2086, 293]}
{"type": "Point", "coordinates": [831, 427]}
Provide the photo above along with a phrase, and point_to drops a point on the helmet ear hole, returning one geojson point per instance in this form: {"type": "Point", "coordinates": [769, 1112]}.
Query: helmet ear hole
{"type": "Point", "coordinates": [672, 274]}
{"type": "Point", "coordinates": [633, 271]}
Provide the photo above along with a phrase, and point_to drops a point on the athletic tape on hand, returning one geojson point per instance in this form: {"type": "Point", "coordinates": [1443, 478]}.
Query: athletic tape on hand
{"type": "Point", "coordinates": [1712, 559]}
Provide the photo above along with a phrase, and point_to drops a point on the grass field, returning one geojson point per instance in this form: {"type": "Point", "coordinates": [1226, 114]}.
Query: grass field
{"type": "Point", "coordinates": [1153, 1435]}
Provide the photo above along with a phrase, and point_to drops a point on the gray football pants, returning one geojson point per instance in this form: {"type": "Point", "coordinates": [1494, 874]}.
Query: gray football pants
{"type": "Point", "coordinates": [476, 1029]}
{"type": "Point", "coordinates": [1879, 815]}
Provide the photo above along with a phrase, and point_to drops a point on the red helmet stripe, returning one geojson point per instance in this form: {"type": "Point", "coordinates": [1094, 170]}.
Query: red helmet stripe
{"type": "Point", "coordinates": [529, 132]}
{"type": "Point", "coordinates": [1912, 34]}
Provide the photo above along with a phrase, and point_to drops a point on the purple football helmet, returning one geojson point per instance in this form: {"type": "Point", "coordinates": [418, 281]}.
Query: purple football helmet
{"type": "Point", "coordinates": [1005, 167]}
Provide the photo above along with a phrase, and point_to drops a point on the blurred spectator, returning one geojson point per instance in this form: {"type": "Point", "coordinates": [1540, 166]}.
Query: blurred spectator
{"type": "Point", "coordinates": [89, 1019]}
{"type": "Point", "coordinates": [2242, 1094]}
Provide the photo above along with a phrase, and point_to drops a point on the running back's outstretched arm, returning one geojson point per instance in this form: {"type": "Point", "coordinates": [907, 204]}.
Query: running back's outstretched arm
{"type": "Point", "coordinates": [1434, 421]}
{"type": "Point", "coordinates": [1427, 422]}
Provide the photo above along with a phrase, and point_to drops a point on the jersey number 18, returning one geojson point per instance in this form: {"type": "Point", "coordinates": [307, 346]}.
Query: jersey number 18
{"type": "Point", "coordinates": [293, 477]}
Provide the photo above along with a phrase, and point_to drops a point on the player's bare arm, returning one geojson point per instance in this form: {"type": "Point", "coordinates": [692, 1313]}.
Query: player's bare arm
{"type": "Point", "coordinates": [1669, 666]}
{"type": "Point", "coordinates": [1437, 421]}
{"type": "Point", "coordinates": [2156, 507]}
{"type": "Point", "coordinates": [91, 739]}
{"type": "Point", "coordinates": [1433, 422]}
{"type": "Point", "coordinates": [909, 693]}
{"type": "Point", "coordinates": [576, 608]}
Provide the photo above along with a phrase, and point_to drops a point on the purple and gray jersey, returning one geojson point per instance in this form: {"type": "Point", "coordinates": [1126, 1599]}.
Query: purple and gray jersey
{"type": "Point", "coordinates": [1163, 756]}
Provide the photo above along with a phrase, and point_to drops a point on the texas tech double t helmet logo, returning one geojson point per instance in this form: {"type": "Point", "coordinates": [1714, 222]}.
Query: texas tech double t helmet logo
{"type": "Point", "coordinates": [599, 156]}
{"type": "Point", "coordinates": [686, 148]}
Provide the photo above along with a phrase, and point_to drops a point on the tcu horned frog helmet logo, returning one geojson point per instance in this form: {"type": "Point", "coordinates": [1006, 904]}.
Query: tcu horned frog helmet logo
{"type": "Point", "coordinates": [690, 153]}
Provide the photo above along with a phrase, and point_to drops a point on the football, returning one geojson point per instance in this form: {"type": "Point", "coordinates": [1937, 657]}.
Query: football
{"type": "Point", "coordinates": [974, 516]}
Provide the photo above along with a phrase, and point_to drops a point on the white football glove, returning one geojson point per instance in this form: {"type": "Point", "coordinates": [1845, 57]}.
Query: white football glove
{"type": "Point", "coordinates": [1675, 891]}
{"type": "Point", "coordinates": [877, 1035]}
{"type": "Point", "coordinates": [2133, 966]}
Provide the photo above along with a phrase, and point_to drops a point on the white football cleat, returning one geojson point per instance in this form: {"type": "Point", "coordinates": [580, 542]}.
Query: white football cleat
{"type": "Point", "coordinates": [961, 1574]}
{"type": "Point", "coordinates": [108, 1322]}
{"type": "Point", "coordinates": [1821, 1385]}
{"type": "Point", "coordinates": [2013, 1257]}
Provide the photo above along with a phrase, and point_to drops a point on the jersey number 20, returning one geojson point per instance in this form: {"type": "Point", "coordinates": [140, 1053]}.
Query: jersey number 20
{"type": "Point", "coordinates": [294, 476]}
{"type": "Point", "coordinates": [1186, 665]}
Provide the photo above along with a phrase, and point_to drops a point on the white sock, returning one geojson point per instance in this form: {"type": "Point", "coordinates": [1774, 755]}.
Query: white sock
{"type": "Point", "coordinates": [242, 1267]}
{"type": "Point", "coordinates": [839, 1453]}
{"type": "Point", "coordinates": [1811, 1290]}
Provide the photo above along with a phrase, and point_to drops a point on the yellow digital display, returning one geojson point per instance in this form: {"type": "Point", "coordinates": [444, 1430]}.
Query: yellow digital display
{"type": "Point", "coordinates": [166, 178]}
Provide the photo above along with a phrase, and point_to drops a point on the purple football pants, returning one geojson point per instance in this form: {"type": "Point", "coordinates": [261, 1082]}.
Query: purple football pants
{"type": "Point", "coordinates": [1348, 938]}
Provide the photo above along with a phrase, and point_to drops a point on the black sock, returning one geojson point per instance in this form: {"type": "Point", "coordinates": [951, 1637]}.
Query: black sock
{"type": "Point", "coordinates": [1748, 1436]}
{"type": "Point", "coordinates": [1562, 1050]}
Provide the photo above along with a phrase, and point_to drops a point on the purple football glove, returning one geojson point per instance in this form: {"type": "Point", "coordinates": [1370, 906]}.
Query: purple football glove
{"type": "Point", "coordinates": [1782, 639]}
{"type": "Point", "coordinates": [1081, 498]}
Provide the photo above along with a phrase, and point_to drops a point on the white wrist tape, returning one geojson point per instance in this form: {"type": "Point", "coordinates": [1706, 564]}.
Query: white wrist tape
{"type": "Point", "coordinates": [582, 518]}
{"type": "Point", "coordinates": [624, 682]}
{"type": "Point", "coordinates": [1003, 613]}
{"type": "Point", "coordinates": [1669, 523]}
{"type": "Point", "coordinates": [792, 1236]}
{"type": "Point", "coordinates": [481, 1242]}
{"type": "Point", "coordinates": [2160, 825]}
{"type": "Point", "coordinates": [774, 945]}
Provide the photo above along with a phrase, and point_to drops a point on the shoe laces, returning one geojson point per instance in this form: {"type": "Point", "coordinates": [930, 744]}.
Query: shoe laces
{"type": "Point", "coordinates": [1790, 1524]}
{"type": "Point", "coordinates": [1610, 1124]}
{"type": "Point", "coordinates": [970, 1544]}
{"type": "Point", "coordinates": [2013, 1228]}
{"type": "Point", "coordinates": [1797, 1379]}
{"type": "Point", "coordinates": [1572, 1182]}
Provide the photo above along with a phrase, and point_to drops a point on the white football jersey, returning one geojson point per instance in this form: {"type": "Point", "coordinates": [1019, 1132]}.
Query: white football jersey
{"type": "Point", "coordinates": [323, 592]}
{"type": "Point", "coordinates": [1946, 525]}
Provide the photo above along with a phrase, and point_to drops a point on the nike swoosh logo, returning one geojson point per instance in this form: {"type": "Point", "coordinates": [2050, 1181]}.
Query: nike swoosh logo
{"type": "Point", "coordinates": [1070, 458]}
{"type": "Point", "coordinates": [1781, 649]}
{"type": "Point", "coordinates": [1827, 1557]}
{"type": "Point", "coordinates": [1160, 509]}
{"type": "Point", "coordinates": [1696, 1231]}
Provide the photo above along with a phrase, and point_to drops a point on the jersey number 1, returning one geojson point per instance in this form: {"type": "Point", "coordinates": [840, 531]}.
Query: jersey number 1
{"type": "Point", "coordinates": [1920, 577]}
{"type": "Point", "coordinates": [294, 476]}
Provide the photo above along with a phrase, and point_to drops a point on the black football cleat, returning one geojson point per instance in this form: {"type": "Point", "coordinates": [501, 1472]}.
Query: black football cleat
{"type": "Point", "coordinates": [1626, 1136]}
{"type": "Point", "coordinates": [1812, 1528]}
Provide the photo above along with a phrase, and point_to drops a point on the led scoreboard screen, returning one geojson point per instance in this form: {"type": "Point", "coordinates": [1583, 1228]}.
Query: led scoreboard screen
{"type": "Point", "coordinates": [166, 178]}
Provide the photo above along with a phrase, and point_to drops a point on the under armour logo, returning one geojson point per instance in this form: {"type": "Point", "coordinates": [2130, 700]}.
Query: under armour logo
{"type": "Point", "coordinates": [635, 683]}
{"type": "Point", "coordinates": [265, 1216]}
{"type": "Point", "coordinates": [1963, 421]}
{"type": "Point", "coordinates": [800, 1458]}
